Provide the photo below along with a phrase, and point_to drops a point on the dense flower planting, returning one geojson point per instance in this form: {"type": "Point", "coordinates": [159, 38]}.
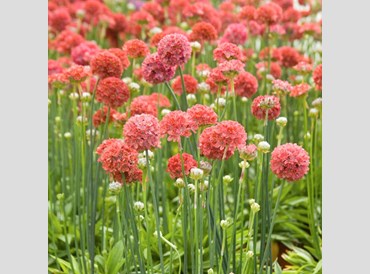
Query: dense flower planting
{"type": "Point", "coordinates": [184, 136]}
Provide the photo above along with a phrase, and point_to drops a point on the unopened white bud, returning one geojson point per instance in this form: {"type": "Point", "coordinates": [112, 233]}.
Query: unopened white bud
{"type": "Point", "coordinates": [314, 112]}
{"type": "Point", "coordinates": [80, 119]}
{"type": "Point", "coordinates": [73, 96]}
{"type": "Point", "coordinates": [184, 25]}
{"type": "Point", "coordinates": [251, 201]}
{"type": "Point", "coordinates": [243, 164]}
{"type": "Point", "coordinates": [244, 99]}
{"type": "Point", "coordinates": [210, 271]}
{"type": "Point", "coordinates": [195, 46]}
{"type": "Point", "coordinates": [227, 179]}
{"type": "Point", "coordinates": [154, 31]}
{"type": "Point", "coordinates": [191, 188]}
{"type": "Point", "coordinates": [139, 206]}
{"type": "Point", "coordinates": [203, 87]}
{"type": "Point", "coordinates": [264, 147]}
{"type": "Point", "coordinates": [86, 97]}
{"type": "Point", "coordinates": [67, 135]}
{"type": "Point", "coordinates": [258, 138]}
{"type": "Point", "coordinates": [57, 119]}
{"type": "Point", "coordinates": [281, 121]}
{"type": "Point", "coordinates": [249, 254]}
{"type": "Point", "coordinates": [255, 207]}
{"type": "Point", "coordinates": [221, 102]}
{"type": "Point", "coordinates": [134, 87]}
{"type": "Point", "coordinates": [115, 187]}
{"type": "Point", "coordinates": [196, 173]}
{"type": "Point", "coordinates": [127, 80]}
{"type": "Point", "coordinates": [317, 103]}
{"type": "Point", "coordinates": [191, 99]}
{"type": "Point", "coordinates": [179, 183]}
{"type": "Point", "coordinates": [165, 111]}
{"type": "Point", "coordinates": [130, 6]}
{"type": "Point", "coordinates": [224, 224]}
{"type": "Point", "coordinates": [141, 163]}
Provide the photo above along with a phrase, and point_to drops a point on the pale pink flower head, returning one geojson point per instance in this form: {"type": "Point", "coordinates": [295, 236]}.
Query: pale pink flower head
{"type": "Point", "coordinates": [248, 152]}
{"type": "Point", "coordinates": [141, 132]}
{"type": "Point", "coordinates": [231, 68]}
{"type": "Point", "coordinates": [235, 33]}
{"type": "Point", "coordinates": [281, 86]}
{"type": "Point", "coordinates": [300, 90]}
{"type": "Point", "coordinates": [177, 124]}
{"type": "Point", "coordinates": [269, 104]}
{"type": "Point", "coordinates": [155, 71]}
{"type": "Point", "coordinates": [246, 85]}
{"type": "Point", "coordinates": [222, 139]}
{"type": "Point", "coordinates": [174, 49]}
{"type": "Point", "coordinates": [202, 115]}
{"type": "Point", "coordinates": [226, 52]}
{"type": "Point", "coordinates": [290, 162]}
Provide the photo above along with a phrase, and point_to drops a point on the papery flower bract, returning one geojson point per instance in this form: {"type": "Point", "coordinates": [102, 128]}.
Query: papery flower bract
{"type": "Point", "coordinates": [105, 64]}
{"type": "Point", "coordinates": [112, 92]}
{"type": "Point", "coordinates": [136, 48]}
{"type": "Point", "coordinates": [202, 115]}
{"type": "Point", "coordinates": [141, 132]}
{"type": "Point", "coordinates": [222, 139]}
{"type": "Point", "coordinates": [290, 162]}
{"type": "Point", "coordinates": [174, 166]}
{"type": "Point", "coordinates": [246, 85]}
{"type": "Point", "coordinates": [226, 52]}
{"type": "Point", "coordinates": [300, 90]}
{"type": "Point", "coordinates": [191, 84]}
{"type": "Point", "coordinates": [174, 49]}
{"type": "Point", "coordinates": [177, 124]}
{"type": "Point", "coordinates": [266, 103]}
{"type": "Point", "coordinates": [155, 71]}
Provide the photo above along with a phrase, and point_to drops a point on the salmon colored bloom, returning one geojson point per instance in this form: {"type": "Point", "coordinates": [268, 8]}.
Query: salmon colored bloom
{"type": "Point", "coordinates": [246, 85]}
{"type": "Point", "coordinates": [283, 86]}
{"type": "Point", "coordinates": [202, 115]}
{"type": "Point", "coordinates": [226, 52]}
{"type": "Point", "coordinates": [122, 55]}
{"type": "Point", "coordinates": [174, 49]}
{"type": "Point", "coordinates": [77, 73]}
{"type": "Point", "coordinates": [191, 84]}
{"type": "Point", "coordinates": [203, 31]}
{"type": "Point", "coordinates": [54, 67]}
{"type": "Point", "coordinates": [269, 14]}
{"type": "Point", "coordinates": [141, 132]}
{"type": "Point", "coordinates": [248, 152]}
{"type": "Point", "coordinates": [289, 56]}
{"type": "Point", "coordinates": [290, 162]}
{"type": "Point", "coordinates": [155, 71]}
{"type": "Point", "coordinates": [112, 92]}
{"type": "Point", "coordinates": [317, 77]}
{"type": "Point", "coordinates": [143, 104]}
{"type": "Point", "coordinates": [59, 19]}
{"type": "Point", "coordinates": [174, 166]}
{"type": "Point", "coordinates": [100, 116]}
{"type": "Point", "coordinates": [105, 64]}
{"type": "Point", "coordinates": [136, 48]}
{"type": "Point", "coordinates": [221, 140]}
{"type": "Point", "coordinates": [300, 90]}
{"type": "Point", "coordinates": [84, 52]}
{"type": "Point", "coordinates": [177, 124]}
{"type": "Point", "coordinates": [160, 100]}
{"type": "Point", "coordinates": [66, 41]}
{"type": "Point", "coordinates": [266, 104]}
{"type": "Point", "coordinates": [248, 13]}
{"type": "Point", "coordinates": [231, 68]}
{"type": "Point", "coordinates": [217, 77]}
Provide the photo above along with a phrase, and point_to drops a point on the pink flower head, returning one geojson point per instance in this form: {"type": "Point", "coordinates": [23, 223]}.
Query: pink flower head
{"type": "Point", "coordinates": [275, 69]}
{"type": "Point", "coordinates": [141, 132]}
{"type": "Point", "coordinates": [289, 56]}
{"type": "Point", "coordinates": [122, 56]}
{"type": "Point", "coordinates": [300, 90]}
{"type": "Point", "coordinates": [223, 138]}
{"type": "Point", "coordinates": [203, 31]}
{"type": "Point", "coordinates": [133, 175]}
{"type": "Point", "coordinates": [266, 104]}
{"type": "Point", "coordinates": [177, 124]}
{"type": "Point", "coordinates": [235, 33]}
{"type": "Point", "coordinates": [155, 71]}
{"type": "Point", "coordinates": [106, 64]}
{"type": "Point", "coordinates": [143, 104]}
{"type": "Point", "coordinates": [317, 77]}
{"type": "Point", "coordinates": [246, 85]}
{"type": "Point", "coordinates": [191, 84]}
{"type": "Point", "coordinates": [116, 156]}
{"type": "Point", "coordinates": [112, 92]}
{"type": "Point", "coordinates": [231, 68]}
{"type": "Point", "coordinates": [174, 166]}
{"type": "Point", "coordinates": [283, 86]}
{"type": "Point", "coordinates": [217, 77]}
{"type": "Point", "coordinates": [226, 52]}
{"type": "Point", "coordinates": [84, 52]}
{"type": "Point", "coordinates": [77, 73]}
{"type": "Point", "coordinates": [269, 14]}
{"type": "Point", "coordinates": [160, 100]}
{"type": "Point", "coordinates": [54, 67]}
{"type": "Point", "coordinates": [136, 48]}
{"type": "Point", "coordinates": [174, 49]}
{"type": "Point", "coordinates": [202, 115]}
{"type": "Point", "coordinates": [248, 13]}
{"type": "Point", "coordinates": [290, 162]}
{"type": "Point", "coordinates": [248, 152]}
{"type": "Point", "coordinates": [66, 41]}
{"type": "Point", "coordinates": [59, 19]}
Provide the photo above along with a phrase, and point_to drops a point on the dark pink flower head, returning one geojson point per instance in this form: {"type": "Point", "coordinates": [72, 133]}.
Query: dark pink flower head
{"type": "Point", "coordinates": [174, 49]}
{"type": "Point", "coordinates": [222, 139]}
{"type": "Point", "coordinates": [116, 156]}
{"type": "Point", "coordinates": [174, 166]}
{"type": "Point", "coordinates": [105, 64]}
{"type": "Point", "coordinates": [269, 14]}
{"type": "Point", "coordinates": [235, 33]}
{"type": "Point", "coordinates": [141, 132]}
{"type": "Point", "coordinates": [290, 162]}
{"type": "Point", "coordinates": [136, 48]}
{"type": "Point", "coordinates": [84, 52]}
{"type": "Point", "coordinates": [281, 86]}
{"type": "Point", "coordinates": [100, 116]}
{"type": "Point", "coordinates": [317, 77]}
{"type": "Point", "coordinates": [202, 115]}
{"type": "Point", "coordinates": [177, 124]}
{"type": "Point", "coordinates": [231, 68]}
{"type": "Point", "coordinates": [247, 13]}
{"type": "Point", "coordinates": [122, 55]}
{"type": "Point", "coordinates": [246, 85]}
{"type": "Point", "coordinates": [289, 56]}
{"type": "Point", "coordinates": [226, 52]}
{"type": "Point", "coordinates": [266, 104]}
{"type": "Point", "coordinates": [133, 175]}
{"type": "Point", "coordinates": [248, 152]}
{"type": "Point", "coordinates": [191, 84]}
{"type": "Point", "coordinates": [112, 92]}
{"type": "Point", "coordinates": [155, 71]}
{"type": "Point", "coordinates": [143, 104]}
{"type": "Point", "coordinates": [300, 90]}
